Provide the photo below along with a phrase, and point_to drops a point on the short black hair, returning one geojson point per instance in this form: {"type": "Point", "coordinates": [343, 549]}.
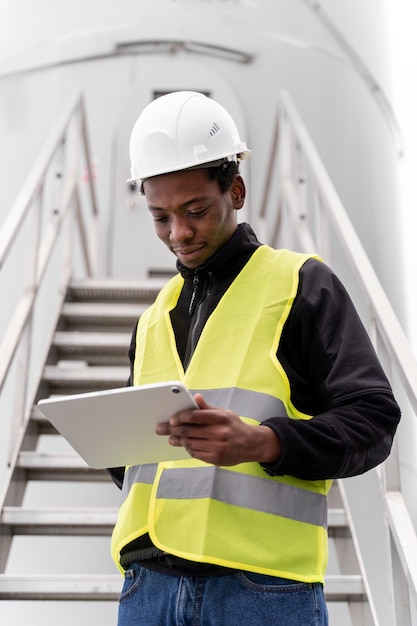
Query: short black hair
{"type": "Point", "coordinates": [224, 174]}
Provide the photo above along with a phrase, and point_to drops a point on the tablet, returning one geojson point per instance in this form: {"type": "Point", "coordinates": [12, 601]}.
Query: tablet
{"type": "Point", "coordinates": [116, 427]}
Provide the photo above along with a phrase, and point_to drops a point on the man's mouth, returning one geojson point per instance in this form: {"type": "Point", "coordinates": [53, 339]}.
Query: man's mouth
{"type": "Point", "coordinates": [189, 251]}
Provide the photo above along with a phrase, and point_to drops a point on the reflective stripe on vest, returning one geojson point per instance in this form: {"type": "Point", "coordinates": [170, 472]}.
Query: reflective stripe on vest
{"type": "Point", "coordinates": [230, 487]}
{"type": "Point", "coordinates": [253, 404]}
{"type": "Point", "coordinates": [138, 474]}
{"type": "Point", "coordinates": [238, 517]}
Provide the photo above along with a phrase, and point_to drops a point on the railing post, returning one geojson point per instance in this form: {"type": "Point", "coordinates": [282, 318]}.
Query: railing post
{"type": "Point", "coordinates": [272, 164]}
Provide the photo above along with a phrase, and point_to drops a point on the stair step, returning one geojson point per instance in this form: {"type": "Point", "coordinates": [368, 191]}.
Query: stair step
{"type": "Point", "coordinates": [74, 377]}
{"type": "Point", "coordinates": [99, 315]}
{"type": "Point", "coordinates": [72, 341]}
{"type": "Point", "coordinates": [338, 525]}
{"type": "Point", "coordinates": [59, 467]}
{"type": "Point", "coordinates": [345, 588]}
{"type": "Point", "coordinates": [111, 290]}
{"type": "Point", "coordinates": [59, 521]}
{"type": "Point", "coordinates": [60, 587]}
{"type": "Point", "coordinates": [108, 587]}
{"type": "Point", "coordinates": [95, 347]}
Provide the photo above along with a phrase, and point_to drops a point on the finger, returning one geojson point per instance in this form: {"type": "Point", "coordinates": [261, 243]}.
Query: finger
{"type": "Point", "coordinates": [199, 398]}
{"type": "Point", "coordinates": [162, 428]}
{"type": "Point", "coordinates": [191, 415]}
{"type": "Point", "coordinates": [196, 417]}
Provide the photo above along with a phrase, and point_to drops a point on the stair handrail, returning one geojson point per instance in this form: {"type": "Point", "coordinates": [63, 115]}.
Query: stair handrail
{"type": "Point", "coordinates": [13, 222]}
{"type": "Point", "coordinates": [57, 198]}
{"type": "Point", "coordinates": [292, 154]}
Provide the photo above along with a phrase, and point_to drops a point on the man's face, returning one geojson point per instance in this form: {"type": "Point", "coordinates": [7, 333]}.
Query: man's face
{"type": "Point", "coordinates": [191, 215]}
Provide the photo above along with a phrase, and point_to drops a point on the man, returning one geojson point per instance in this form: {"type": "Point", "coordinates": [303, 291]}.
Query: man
{"type": "Point", "coordinates": [291, 396]}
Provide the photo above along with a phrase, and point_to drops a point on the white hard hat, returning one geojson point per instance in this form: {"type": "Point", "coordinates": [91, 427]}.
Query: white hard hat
{"type": "Point", "coordinates": [181, 130]}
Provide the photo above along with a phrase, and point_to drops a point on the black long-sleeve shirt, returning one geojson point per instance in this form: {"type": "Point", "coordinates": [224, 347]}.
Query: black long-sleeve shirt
{"type": "Point", "coordinates": [331, 365]}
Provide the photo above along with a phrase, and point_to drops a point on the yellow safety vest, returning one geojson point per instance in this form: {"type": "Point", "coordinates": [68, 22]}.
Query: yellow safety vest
{"type": "Point", "coordinates": [238, 517]}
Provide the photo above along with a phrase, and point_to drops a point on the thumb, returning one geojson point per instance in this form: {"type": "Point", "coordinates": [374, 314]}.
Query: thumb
{"type": "Point", "coordinates": [202, 404]}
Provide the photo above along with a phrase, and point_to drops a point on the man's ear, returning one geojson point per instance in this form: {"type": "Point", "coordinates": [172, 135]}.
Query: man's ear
{"type": "Point", "coordinates": [238, 191]}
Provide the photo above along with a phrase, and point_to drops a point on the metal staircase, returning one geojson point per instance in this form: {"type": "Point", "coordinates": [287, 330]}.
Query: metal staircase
{"type": "Point", "coordinates": [69, 332]}
{"type": "Point", "coordinates": [89, 352]}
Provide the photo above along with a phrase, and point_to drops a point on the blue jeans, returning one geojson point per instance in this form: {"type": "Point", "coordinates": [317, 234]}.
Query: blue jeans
{"type": "Point", "coordinates": [240, 599]}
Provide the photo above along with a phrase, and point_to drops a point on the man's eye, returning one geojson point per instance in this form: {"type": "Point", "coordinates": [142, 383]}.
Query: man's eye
{"type": "Point", "coordinates": [197, 212]}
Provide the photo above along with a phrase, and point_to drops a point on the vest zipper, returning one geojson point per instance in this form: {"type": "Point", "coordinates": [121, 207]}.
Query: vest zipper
{"type": "Point", "coordinates": [195, 310]}
{"type": "Point", "coordinates": [196, 280]}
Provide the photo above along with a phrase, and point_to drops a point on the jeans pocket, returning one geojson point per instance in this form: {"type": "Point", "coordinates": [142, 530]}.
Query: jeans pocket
{"type": "Point", "coordinates": [133, 580]}
{"type": "Point", "coordinates": [282, 601]}
{"type": "Point", "coordinates": [274, 584]}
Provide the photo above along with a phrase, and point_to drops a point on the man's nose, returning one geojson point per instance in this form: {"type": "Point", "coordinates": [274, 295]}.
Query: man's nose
{"type": "Point", "coordinates": [180, 230]}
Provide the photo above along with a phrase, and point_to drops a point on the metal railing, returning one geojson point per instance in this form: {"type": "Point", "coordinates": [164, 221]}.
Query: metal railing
{"type": "Point", "coordinates": [39, 254]}
{"type": "Point", "coordinates": [309, 216]}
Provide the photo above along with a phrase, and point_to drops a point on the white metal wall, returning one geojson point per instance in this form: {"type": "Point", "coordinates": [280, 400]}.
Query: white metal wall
{"type": "Point", "coordinates": [292, 49]}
